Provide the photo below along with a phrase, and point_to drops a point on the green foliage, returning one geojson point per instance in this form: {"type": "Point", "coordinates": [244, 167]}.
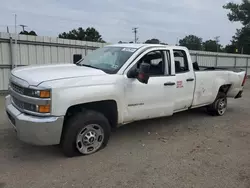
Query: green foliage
{"type": "Point", "coordinates": [242, 38]}
{"type": "Point", "coordinates": [152, 41]}
{"type": "Point", "coordinates": [192, 42]}
{"type": "Point", "coordinates": [122, 42]}
{"type": "Point", "coordinates": [28, 33]}
{"type": "Point", "coordinates": [212, 46]}
{"type": "Point", "coordinates": [230, 48]}
{"type": "Point", "coordinates": [90, 34]}
{"type": "Point", "coordinates": [240, 13]}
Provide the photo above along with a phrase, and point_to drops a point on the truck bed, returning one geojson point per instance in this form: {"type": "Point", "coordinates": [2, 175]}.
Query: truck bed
{"type": "Point", "coordinates": [206, 68]}
{"type": "Point", "coordinates": [209, 80]}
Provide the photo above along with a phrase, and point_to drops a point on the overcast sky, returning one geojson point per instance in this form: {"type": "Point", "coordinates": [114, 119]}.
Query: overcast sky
{"type": "Point", "coordinates": [163, 19]}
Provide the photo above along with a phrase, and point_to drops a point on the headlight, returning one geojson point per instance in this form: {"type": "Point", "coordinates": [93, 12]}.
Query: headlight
{"type": "Point", "coordinates": [44, 94]}
{"type": "Point", "coordinates": [40, 93]}
{"type": "Point", "coordinates": [32, 99]}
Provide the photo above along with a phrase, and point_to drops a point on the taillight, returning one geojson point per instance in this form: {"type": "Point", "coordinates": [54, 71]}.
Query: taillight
{"type": "Point", "coordinates": [244, 80]}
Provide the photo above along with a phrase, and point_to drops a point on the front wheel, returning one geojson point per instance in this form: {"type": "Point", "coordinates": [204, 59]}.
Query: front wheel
{"type": "Point", "coordinates": [85, 133]}
{"type": "Point", "coordinates": [219, 106]}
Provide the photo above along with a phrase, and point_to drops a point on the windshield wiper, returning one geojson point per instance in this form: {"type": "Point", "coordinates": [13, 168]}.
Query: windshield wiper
{"type": "Point", "coordinates": [104, 70]}
{"type": "Point", "coordinates": [89, 66]}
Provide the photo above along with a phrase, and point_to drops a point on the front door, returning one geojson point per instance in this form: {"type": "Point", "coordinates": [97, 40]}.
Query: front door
{"type": "Point", "coordinates": [155, 99]}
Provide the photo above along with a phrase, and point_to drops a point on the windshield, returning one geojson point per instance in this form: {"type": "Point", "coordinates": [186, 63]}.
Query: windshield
{"type": "Point", "coordinates": [109, 59]}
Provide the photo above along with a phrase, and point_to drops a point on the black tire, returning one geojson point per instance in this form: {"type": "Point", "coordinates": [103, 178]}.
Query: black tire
{"type": "Point", "coordinates": [75, 124]}
{"type": "Point", "coordinates": [214, 109]}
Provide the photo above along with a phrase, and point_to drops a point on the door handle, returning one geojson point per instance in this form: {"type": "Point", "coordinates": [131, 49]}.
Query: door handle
{"type": "Point", "coordinates": [190, 79]}
{"type": "Point", "coordinates": [169, 84]}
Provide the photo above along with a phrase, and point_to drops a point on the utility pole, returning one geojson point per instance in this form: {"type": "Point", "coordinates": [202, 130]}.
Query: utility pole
{"type": "Point", "coordinates": [217, 42]}
{"type": "Point", "coordinates": [135, 32]}
{"type": "Point", "coordinates": [23, 26]}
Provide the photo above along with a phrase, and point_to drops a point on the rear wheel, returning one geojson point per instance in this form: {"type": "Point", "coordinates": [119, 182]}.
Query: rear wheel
{"type": "Point", "coordinates": [85, 133]}
{"type": "Point", "coordinates": [219, 106]}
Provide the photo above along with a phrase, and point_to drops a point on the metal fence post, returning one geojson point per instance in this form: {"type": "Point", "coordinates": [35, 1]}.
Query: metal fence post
{"type": "Point", "coordinates": [196, 57]}
{"type": "Point", "coordinates": [216, 60]}
{"type": "Point", "coordinates": [12, 54]}
{"type": "Point", "coordinates": [235, 61]}
{"type": "Point", "coordinates": [247, 66]}
{"type": "Point", "coordinates": [85, 48]}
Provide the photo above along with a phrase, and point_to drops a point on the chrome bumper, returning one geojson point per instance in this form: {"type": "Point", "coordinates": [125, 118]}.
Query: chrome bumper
{"type": "Point", "coordinates": [33, 129]}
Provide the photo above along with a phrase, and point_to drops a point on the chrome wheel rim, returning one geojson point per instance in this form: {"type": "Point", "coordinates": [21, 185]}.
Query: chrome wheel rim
{"type": "Point", "coordinates": [90, 139]}
{"type": "Point", "coordinates": [222, 106]}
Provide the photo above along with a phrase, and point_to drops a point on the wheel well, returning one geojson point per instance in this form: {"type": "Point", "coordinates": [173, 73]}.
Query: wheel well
{"type": "Point", "coordinates": [224, 88]}
{"type": "Point", "coordinates": [107, 107]}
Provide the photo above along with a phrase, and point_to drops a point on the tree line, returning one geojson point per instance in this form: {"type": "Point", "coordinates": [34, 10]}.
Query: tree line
{"type": "Point", "coordinates": [240, 42]}
{"type": "Point", "coordinates": [193, 42]}
{"type": "Point", "coordinates": [88, 34]}
{"type": "Point", "coordinates": [240, 13]}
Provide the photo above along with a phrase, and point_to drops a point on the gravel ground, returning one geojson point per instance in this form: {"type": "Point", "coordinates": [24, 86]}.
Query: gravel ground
{"type": "Point", "coordinates": [189, 149]}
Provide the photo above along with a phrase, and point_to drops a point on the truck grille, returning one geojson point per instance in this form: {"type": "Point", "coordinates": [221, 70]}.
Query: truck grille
{"type": "Point", "coordinates": [23, 105]}
{"type": "Point", "coordinates": [21, 90]}
{"type": "Point", "coordinates": [17, 88]}
{"type": "Point", "coordinates": [18, 103]}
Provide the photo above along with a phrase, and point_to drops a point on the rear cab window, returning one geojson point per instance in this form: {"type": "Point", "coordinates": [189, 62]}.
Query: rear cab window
{"type": "Point", "coordinates": [180, 61]}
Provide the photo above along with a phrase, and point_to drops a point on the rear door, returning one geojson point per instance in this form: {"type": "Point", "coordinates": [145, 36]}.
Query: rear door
{"type": "Point", "coordinates": [185, 80]}
{"type": "Point", "coordinates": [155, 99]}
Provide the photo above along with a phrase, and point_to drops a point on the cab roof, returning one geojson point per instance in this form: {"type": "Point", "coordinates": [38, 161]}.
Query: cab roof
{"type": "Point", "coordinates": [141, 45]}
{"type": "Point", "coordinates": [132, 45]}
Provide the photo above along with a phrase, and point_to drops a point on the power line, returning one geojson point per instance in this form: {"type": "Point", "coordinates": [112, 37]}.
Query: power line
{"type": "Point", "coordinates": [135, 32]}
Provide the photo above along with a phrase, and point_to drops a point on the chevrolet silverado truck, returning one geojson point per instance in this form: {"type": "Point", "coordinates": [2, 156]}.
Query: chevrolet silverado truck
{"type": "Point", "coordinates": [76, 105]}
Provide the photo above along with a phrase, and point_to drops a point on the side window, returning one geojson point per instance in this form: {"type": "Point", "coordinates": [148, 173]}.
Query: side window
{"type": "Point", "coordinates": [156, 61]}
{"type": "Point", "coordinates": [181, 62]}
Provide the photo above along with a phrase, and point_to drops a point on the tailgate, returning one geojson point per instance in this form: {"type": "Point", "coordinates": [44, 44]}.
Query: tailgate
{"type": "Point", "coordinates": [237, 80]}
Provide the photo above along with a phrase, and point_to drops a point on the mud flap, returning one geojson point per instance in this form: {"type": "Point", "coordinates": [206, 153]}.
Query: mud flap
{"type": "Point", "coordinates": [239, 95]}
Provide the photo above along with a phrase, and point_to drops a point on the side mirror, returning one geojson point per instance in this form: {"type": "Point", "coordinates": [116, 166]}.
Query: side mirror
{"type": "Point", "coordinates": [76, 58]}
{"type": "Point", "coordinates": [143, 73]}
{"type": "Point", "coordinates": [133, 73]}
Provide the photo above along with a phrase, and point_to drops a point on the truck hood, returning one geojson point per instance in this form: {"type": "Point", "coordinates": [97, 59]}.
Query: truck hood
{"type": "Point", "coordinates": [35, 75]}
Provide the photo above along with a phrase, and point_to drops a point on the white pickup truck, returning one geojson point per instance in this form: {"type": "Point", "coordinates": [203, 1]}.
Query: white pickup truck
{"type": "Point", "coordinates": [76, 105]}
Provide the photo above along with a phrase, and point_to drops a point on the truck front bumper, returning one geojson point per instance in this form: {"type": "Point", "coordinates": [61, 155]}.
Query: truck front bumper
{"type": "Point", "coordinates": [33, 129]}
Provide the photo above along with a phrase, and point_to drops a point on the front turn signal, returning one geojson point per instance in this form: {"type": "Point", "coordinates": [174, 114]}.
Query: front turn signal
{"type": "Point", "coordinates": [44, 108]}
